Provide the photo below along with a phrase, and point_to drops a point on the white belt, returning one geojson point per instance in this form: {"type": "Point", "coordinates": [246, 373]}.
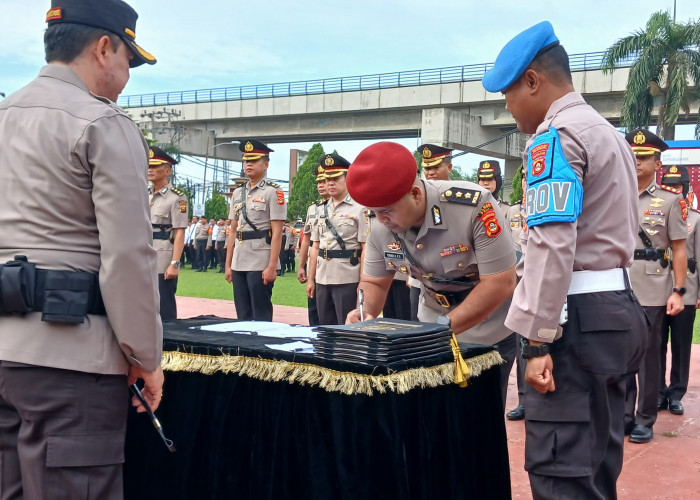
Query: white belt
{"type": "Point", "coordinates": [597, 281]}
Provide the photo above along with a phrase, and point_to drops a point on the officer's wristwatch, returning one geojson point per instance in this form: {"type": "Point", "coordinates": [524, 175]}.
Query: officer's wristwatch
{"type": "Point", "coordinates": [532, 351]}
{"type": "Point", "coordinates": [444, 320]}
{"type": "Point", "coordinates": [175, 263]}
{"type": "Point", "coordinates": [680, 291]}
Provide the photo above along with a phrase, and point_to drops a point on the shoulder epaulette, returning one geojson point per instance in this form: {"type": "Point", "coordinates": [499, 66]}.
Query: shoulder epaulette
{"type": "Point", "coordinates": [369, 213]}
{"type": "Point", "coordinates": [177, 191]}
{"type": "Point", "coordinates": [463, 196]}
{"type": "Point", "coordinates": [273, 184]}
{"type": "Point", "coordinates": [672, 190]}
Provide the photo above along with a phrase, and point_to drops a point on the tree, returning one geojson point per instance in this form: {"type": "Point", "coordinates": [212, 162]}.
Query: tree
{"type": "Point", "coordinates": [303, 192]}
{"type": "Point", "coordinates": [516, 196]}
{"type": "Point", "coordinates": [217, 206]}
{"type": "Point", "coordinates": [667, 58]}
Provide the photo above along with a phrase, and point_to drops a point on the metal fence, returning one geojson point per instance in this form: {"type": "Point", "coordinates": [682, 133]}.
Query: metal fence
{"type": "Point", "coordinates": [470, 72]}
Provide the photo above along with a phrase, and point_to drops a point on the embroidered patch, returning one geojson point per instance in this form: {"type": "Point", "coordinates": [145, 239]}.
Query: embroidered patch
{"type": "Point", "coordinates": [454, 249]}
{"type": "Point", "coordinates": [490, 220]}
{"type": "Point", "coordinates": [280, 197]}
{"type": "Point", "coordinates": [538, 154]}
{"type": "Point", "coordinates": [437, 218]}
{"type": "Point", "coordinates": [394, 245]}
{"type": "Point", "coordinates": [393, 255]}
{"type": "Point", "coordinates": [485, 208]}
{"type": "Point", "coordinates": [183, 206]}
{"type": "Point", "coordinates": [684, 209]}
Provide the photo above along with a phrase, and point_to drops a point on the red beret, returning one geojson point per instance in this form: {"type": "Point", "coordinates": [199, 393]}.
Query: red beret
{"type": "Point", "coordinates": [381, 174]}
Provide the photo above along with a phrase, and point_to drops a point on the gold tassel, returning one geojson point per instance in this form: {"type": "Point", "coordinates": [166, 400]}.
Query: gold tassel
{"type": "Point", "coordinates": [462, 371]}
{"type": "Point", "coordinates": [332, 380]}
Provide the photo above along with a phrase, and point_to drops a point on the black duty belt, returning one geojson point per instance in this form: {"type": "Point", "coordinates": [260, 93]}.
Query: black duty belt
{"type": "Point", "coordinates": [161, 235]}
{"type": "Point", "coordinates": [61, 296]}
{"type": "Point", "coordinates": [447, 299]}
{"type": "Point", "coordinates": [651, 254]}
{"type": "Point", "coordinates": [162, 227]}
{"type": "Point", "coordinates": [253, 235]}
{"type": "Point", "coordinates": [339, 254]}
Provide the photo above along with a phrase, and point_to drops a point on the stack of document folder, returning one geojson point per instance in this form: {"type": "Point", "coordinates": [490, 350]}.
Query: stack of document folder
{"type": "Point", "coordinates": [381, 341]}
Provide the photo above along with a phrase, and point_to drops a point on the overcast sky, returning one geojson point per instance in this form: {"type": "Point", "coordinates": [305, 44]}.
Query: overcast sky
{"type": "Point", "coordinates": [222, 43]}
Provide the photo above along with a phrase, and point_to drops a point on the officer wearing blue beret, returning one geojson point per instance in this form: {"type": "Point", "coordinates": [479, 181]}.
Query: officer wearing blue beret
{"type": "Point", "coordinates": [574, 305]}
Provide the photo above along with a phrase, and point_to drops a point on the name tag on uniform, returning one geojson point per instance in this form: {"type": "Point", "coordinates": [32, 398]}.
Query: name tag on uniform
{"type": "Point", "coordinates": [395, 256]}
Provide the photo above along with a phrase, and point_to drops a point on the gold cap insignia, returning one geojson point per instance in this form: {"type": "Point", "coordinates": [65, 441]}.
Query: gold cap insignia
{"type": "Point", "coordinates": [485, 165]}
{"type": "Point", "coordinates": [150, 153]}
{"type": "Point", "coordinates": [427, 153]}
{"type": "Point", "coordinates": [673, 170]}
{"type": "Point", "coordinates": [640, 138]}
{"type": "Point", "coordinates": [329, 161]}
{"type": "Point", "coordinates": [321, 170]}
{"type": "Point", "coordinates": [248, 147]}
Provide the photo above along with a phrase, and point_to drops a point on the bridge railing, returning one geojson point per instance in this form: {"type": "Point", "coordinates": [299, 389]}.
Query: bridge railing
{"type": "Point", "coordinates": [451, 74]}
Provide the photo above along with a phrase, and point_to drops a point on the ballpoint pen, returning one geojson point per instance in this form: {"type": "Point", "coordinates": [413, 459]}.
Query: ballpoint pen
{"type": "Point", "coordinates": [156, 423]}
{"type": "Point", "coordinates": [361, 300]}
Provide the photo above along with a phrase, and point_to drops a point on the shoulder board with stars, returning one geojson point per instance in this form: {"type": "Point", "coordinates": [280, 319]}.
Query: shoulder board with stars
{"type": "Point", "coordinates": [672, 190]}
{"type": "Point", "coordinates": [461, 195]}
{"type": "Point", "coordinates": [177, 191]}
{"type": "Point", "coordinates": [273, 184]}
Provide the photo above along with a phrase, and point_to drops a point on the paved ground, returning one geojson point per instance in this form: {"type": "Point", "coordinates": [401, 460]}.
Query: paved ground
{"type": "Point", "coordinates": [666, 468]}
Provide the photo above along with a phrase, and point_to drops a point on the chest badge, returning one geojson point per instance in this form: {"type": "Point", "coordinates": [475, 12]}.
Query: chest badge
{"type": "Point", "coordinates": [437, 217]}
{"type": "Point", "coordinates": [394, 246]}
{"type": "Point", "coordinates": [454, 249]}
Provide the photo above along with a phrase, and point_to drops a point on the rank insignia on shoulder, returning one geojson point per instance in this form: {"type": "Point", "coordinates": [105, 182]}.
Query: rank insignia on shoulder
{"type": "Point", "coordinates": [463, 196]}
{"type": "Point", "coordinates": [437, 218]}
{"type": "Point", "coordinates": [177, 191]}
{"type": "Point", "coordinates": [183, 206]}
{"type": "Point", "coordinates": [672, 190]}
{"type": "Point", "coordinates": [273, 184]}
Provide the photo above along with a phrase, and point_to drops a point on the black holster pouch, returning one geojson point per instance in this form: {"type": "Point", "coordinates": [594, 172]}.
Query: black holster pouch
{"type": "Point", "coordinates": [692, 265]}
{"type": "Point", "coordinates": [17, 286]}
{"type": "Point", "coordinates": [67, 296]}
{"type": "Point", "coordinates": [268, 238]}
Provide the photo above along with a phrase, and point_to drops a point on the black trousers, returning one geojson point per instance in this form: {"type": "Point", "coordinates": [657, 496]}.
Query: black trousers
{"type": "Point", "coordinates": [252, 298]}
{"type": "Point", "coordinates": [61, 433]}
{"type": "Point", "coordinates": [291, 257]}
{"type": "Point", "coordinates": [681, 331]}
{"type": "Point", "coordinates": [398, 301]}
{"type": "Point", "coordinates": [221, 253]}
{"type": "Point", "coordinates": [313, 311]}
{"type": "Point", "coordinates": [415, 297]}
{"type": "Point", "coordinates": [335, 302]}
{"type": "Point", "coordinates": [167, 289]}
{"type": "Point", "coordinates": [202, 255]}
{"type": "Point", "coordinates": [644, 391]}
{"type": "Point", "coordinates": [509, 349]}
{"type": "Point", "coordinates": [575, 435]}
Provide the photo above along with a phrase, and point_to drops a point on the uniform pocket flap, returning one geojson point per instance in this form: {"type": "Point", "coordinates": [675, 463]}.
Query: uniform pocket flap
{"type": "Point", "coordinates": [85, 450]}
{"type": "Point", "coordinates": [559, 407]}
{"type": "Point", "coordinates": [603, 318]}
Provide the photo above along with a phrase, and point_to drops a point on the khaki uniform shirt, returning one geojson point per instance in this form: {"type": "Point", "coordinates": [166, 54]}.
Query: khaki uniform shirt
{"type": "Point", "coordinates": [221, 235]}
{"type": "Point", "coordinates": [264, 203]}
{"type": "Point", "coordinates": [662, 218]}
{"type": "Point", "coordinates": [311, 220]}
{"type": "Point", "coordinates": [201, 232]}
{"type": "Point", "coordinates": [350, 222]}
{"type": "Point", "coordinates": [603, 237]}
{"type": "Point", "coordinates": [168, 206]}
{"type": "Point", "coordinates": [453, 242]}
{"type": "Point", "coordinates": [515, 218]}
{"type": "Point", "coordinates": [73, 189]}
{"type": "Point", "coordinates": [692, 249]}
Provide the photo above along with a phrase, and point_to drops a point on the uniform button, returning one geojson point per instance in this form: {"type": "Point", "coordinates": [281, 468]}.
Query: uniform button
{"type": "Point", "coordinates": [248, 196]}
{"type": "Point", "coordinates": [658, 270]}
{"type": "Point", "coordinates": [461, 264]}
{"type": "Point", "coordinates": [419, 246]}
{"type": "Point", "coordinates": [262, 245]}
{"type": "Point", "coordinates": [333, 214]}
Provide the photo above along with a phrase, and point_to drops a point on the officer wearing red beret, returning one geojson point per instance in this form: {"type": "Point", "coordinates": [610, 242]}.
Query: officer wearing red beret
{"type": "Point", "coordinates": [447, 234]}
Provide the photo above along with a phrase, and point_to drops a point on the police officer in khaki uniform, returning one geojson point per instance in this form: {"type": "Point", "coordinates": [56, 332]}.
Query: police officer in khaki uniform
{"type": "Point", "coordinates": [578, 245]}
{"type": "Point", "coordinates": [680, 326]}
{"type": "Point", "coordinates": [169, 220]}
{"type": "Point", "coordinates": [312, 218]}
{"type": "Point", "coordinates": [338, 240]}
{"type": "Point", "coordinates": [662, 224]}
{"type": "Point", "coordinates": [202, 243]}
{"type": "Point", "coordinates": [447, 234]}
{"type": "Point", "coordinates": [221, 244]}
{"type": "Point", "coordinates": [68, 351]}
{"type": "Point", "coordinates": [258, 210]}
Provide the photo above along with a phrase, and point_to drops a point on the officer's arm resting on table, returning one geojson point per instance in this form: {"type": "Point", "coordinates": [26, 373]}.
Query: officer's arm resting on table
{"type": "Point", "coordinates": [311, 276]}
{"type": "Point", "coordinates": [675, 304]}
{"type": "Point", "coordinates": [375, 291]}
{"type": "Point", "coordinates": [270, 273]}
{"type": "Point", "coordinates": [483, 299]}
{"type": "Point", "coordinates": [178, 245]}
{"type": "Point", "coordinates": [229, 250]}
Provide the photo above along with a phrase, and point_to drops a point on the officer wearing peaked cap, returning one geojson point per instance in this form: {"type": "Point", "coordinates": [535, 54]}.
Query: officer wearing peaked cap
{"type": "Point", "coordinates": [338, 240]}
{"type": "Point", "coordinates": [66, 353]}
{"type": "Point", "coordinates": [257, 212]}
{"type": "Point", "coordinates": [662, 224]}
{"type": "Point", "coordinates": [680, 326]}
{"type": "Point", "coordinates": [447, 234]}
{"type": "Point", "coordinates": [577, 250]}
{"type": "Point", "coordinates": [436, 161]}
{"type": "Point", "coordinates": [313, 216]}
{"type": "Point", "coordinates": [169, 220]}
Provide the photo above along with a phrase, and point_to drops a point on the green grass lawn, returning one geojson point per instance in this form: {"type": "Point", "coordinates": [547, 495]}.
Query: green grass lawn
{"type": "Point", "coordinates": [212, 285]}
{"type": "Point", "coordinates": [287, 291]}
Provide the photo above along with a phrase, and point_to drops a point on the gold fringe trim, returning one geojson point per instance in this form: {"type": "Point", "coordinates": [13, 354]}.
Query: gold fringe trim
{"type": "Point", "coordinates": [331, 380]}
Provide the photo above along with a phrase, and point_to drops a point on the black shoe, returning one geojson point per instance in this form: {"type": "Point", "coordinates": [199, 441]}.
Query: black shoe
{"type": "Point", "coordinates": [675, 407]}
{"type": "Point", "coordinates": [663, 403]}
{"type": "Point", "coordinates": [517, 413]}
{"type": "Point", "coordinates": [628, 428]}
{"type": "Point", "coordinates": [641, 434]}
{"type": "Point", "coordinates": [221, 271]}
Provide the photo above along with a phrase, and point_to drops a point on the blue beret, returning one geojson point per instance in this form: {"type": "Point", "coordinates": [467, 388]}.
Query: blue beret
{"type": "Point", "coordinates": [517, 55]}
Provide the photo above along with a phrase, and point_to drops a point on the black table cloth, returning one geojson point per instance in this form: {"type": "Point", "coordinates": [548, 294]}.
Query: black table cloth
{"type": "Point", "coordinates": [250, 422]}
